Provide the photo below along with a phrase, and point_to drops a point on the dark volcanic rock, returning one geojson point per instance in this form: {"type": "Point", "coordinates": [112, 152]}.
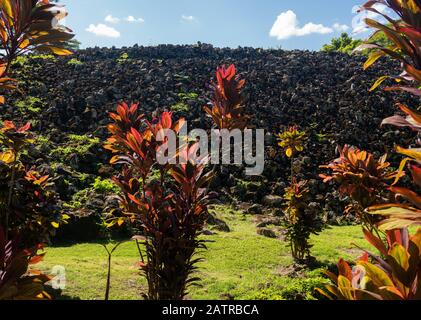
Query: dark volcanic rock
{"type": "Point", "coordinates": [217, 224]}
{"type": "Point", "coordinates": [325, 94]}
{"type": "Point", "coordinates": [266, 232]}
{"type": "Point", "coordinates": [273, 201]}
{"type": "Point", "coordinates": [255, 209]}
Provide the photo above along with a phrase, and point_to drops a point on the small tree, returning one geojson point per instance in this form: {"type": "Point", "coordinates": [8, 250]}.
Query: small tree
{"type": "Point", "coordinates": [344, 44]}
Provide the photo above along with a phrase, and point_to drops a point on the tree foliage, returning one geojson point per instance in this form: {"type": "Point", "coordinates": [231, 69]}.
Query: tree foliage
{"type": "Point", "coordinates": [344, 44]}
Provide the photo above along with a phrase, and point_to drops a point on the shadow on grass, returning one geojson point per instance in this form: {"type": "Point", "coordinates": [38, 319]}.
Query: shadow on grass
{"type": "Point", "coordinates": [311, 263]}
{"type": "Point", "coordinates": [69, 243]}
{"type": "Point", "coordinates": [57, 294]}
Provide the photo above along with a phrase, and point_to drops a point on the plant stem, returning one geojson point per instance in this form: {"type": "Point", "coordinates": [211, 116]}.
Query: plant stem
{"type": "Point", "coordinates": [292, 170]}
{"type": "Point", "coordinates": [110, 253]}
{"type": "Point", "coordinates": [107, 289]}
{"type": "Point", "coordinates": [9, 201]}
{"type": "Point", "coordinates": [140, 251]}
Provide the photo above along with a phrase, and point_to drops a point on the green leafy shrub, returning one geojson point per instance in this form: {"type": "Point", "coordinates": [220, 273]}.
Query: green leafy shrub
{"type": "Point", "coordinates": [78, 144]}
{"type": "Point", "coordinates": [42, 57]}
{"type": "Point", "coordinates": [344, 44]}
{"type": "Point", "coordinates": [86, 222]}
{"type": "Point", "coordinates": [31, 104]}
{"type": "Point", "coordinates": [303, 289]}
{"type": "Point", "coordinates": [20, 61]}
{"type": "Point", "coordinates": [74, 62]}
{"type": "Point", "coordinates": [182, 106]}
{"type": "Point", "coordinates": [301, 220]}
{"type": "Point", "coordinates": [124, 58]}
{"type": "Point", "coordinates": [105, 186]}
{"type": "Point", "coordinates": [188, 96]}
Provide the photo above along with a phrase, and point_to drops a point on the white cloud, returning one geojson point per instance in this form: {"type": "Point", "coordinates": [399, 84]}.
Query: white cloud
{"type": "Point", "coordinates": [287, 26]}
{"type": "Point", "coordinates": [102, 30]}
{"type": "Point", "coordinates": [112, 19]}
{"type": "Point", "coordinates": [133, 19]}
{"type": "Point", "coordinates": [340, 27]}
{"type": "Point", "coordinates": [188, 18]}
{"type": "Point", "coordinates": [358, 23]}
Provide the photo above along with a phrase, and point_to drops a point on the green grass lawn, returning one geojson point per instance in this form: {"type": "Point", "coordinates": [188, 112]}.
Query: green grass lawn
{"type": "Point", "coordinates": [237, 265]}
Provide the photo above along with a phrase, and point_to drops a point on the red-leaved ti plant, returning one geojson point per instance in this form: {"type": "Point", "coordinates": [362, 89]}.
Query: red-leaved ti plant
{"type": "Point", "coordinates": [167, 202]}
{"type": "Point", "coordinates": [28, 205]}
{"type": "Point", "coordinates": [227, 110]}
{"type": "Point", "coordinates": [18, 280]}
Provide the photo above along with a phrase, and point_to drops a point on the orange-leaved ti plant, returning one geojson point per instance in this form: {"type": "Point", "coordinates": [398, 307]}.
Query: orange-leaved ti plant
{"type": "Point", "coordinates": [361, 177]}
{"type": "Point", "coordinates": [227, 106]}
{"type": "Point", "coordinates": [407, 212]}
{"type": "Point", "coordinates": [18, 281]}
{"type": "Point", "coordinates": [26, 26]}
{"type": "Point", "coordinates": [396, 274]}
{"type": "Point", "coordinates": [404, 32]}
{"type": "Point", "coordinates": [28, 205]}
{"type": "Point", "coordinates": [167, 202]}
{"type": "Point", "coordinates": [6, 83]}
{"type": "Point", "coordinates": [31, 25]}
{"type": "Point", "coordinates": [393, 275]}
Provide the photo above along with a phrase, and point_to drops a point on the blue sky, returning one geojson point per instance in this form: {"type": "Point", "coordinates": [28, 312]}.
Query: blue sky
{"type": "Point", "coordinates": [291, 24]}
